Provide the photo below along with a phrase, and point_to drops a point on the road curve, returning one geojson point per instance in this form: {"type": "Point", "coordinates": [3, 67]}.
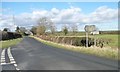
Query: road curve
{"type": "Point", "coordinates": [33, 55]}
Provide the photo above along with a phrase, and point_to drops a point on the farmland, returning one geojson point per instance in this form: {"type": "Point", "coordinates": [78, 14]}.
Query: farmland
{"type": "Point", "coordinates": [114, 39]}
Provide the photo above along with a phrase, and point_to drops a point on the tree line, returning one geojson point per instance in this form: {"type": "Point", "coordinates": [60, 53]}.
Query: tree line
{"type": "Point", "coordinates": [45, 25]}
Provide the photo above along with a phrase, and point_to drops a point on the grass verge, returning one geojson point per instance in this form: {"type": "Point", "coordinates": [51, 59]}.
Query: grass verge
{"type": "Point", "coordinates": [102, 52]}
{"type": "Point", "coordinates": [8, 43]}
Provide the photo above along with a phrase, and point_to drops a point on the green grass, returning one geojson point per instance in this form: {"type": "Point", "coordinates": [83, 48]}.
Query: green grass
{"type": "Point", "coordinates": [102, 52]}
{"type": "Point", "coordinates": [114, 39]}
{"type": "Point", "coordinates": [8, 43]}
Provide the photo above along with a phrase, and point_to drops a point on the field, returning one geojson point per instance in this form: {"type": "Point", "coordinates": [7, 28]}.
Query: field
{"type": "Point", "coordinates": [114, 39]}
{"type": "Point", "coordinates": [7, 43]}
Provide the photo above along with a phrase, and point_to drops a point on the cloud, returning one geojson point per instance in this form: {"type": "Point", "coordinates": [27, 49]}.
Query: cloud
{"type": "Point", "coordinates": [75, 15]}
{"type": "Point", "coordinates": [7, 23]}
{"type": "Point", "coordinates": [104, 14]}
{"type": "Point", "coordinates": [70, 15]}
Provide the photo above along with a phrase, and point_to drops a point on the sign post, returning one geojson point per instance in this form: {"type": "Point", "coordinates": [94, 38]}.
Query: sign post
{"type": "Point", "coordinates": [88, 29]}
{"type": "Point", "coordinates": [94, 40]}
{"type": "Point", "coordinates": [86, 39]}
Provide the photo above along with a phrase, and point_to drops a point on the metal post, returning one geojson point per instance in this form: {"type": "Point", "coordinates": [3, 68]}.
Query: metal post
{"type": "Point", "coordinates": [94, 40]}
{"type": "Point", "coordinates": [86, 39]}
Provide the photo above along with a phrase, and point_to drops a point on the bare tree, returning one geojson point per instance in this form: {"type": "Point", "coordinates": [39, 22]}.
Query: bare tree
{"type": "Point", "coordinates": [74, 28]}
{"type": "Point", "coordinates": [42, 24]}
{"type": "Point", "coordinates": [52, 27]}
{"type": "Point", "coordinates": [42, 21]}
{"type": "Point", "coordinates": [45, 24]}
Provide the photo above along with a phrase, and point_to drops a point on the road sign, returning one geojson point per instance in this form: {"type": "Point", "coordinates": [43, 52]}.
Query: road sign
{"type": "Point", "coordinates": [90, 28]}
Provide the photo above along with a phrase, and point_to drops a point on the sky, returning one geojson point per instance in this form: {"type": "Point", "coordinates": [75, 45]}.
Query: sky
{"type": "Point", "coordinates": [26, 14]}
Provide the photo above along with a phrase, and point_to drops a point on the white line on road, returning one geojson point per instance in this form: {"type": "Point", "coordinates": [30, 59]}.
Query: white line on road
{"type": "Point", "coordinates": [15, 65]}
{"type": "Point", "coordinates": [3, 57]}
{"type": "Point", "coordinates": [10, 56]}
{"type": "Point", "coordinates": [12, 60]}
{"type": "Point", "coordinates": [17, 69]}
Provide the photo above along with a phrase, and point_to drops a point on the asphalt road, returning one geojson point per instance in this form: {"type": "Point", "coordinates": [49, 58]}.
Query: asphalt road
{"type": "Point", "coordinates": [33, 55]}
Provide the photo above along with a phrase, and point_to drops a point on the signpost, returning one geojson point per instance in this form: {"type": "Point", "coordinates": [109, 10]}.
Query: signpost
{"type": "Point", "coordinates": [88, 29]}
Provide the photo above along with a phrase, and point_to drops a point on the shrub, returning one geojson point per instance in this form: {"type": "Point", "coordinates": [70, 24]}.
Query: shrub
{"type": "Point", "coordinates": [9, 35]}
{"type": "Point", "coordinates": [81, 41]}
{"type": "Point", "coordinates": [76, 41]}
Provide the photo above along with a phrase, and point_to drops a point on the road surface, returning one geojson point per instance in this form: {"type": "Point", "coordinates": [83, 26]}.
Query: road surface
{"type": "Point", "coordinates": [33, 55]}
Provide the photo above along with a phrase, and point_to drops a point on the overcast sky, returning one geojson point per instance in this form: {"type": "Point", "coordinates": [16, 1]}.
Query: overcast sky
{"type": "Point", "coordinates": [102, 14]}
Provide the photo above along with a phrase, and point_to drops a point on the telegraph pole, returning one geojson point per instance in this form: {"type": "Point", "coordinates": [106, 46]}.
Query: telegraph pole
{"type": "Point", "coordinates": [13, 19]}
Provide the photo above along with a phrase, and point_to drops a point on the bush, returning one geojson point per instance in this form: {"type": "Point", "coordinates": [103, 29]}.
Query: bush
{"type": "Point", "coordinates": [76, 41]}
{"type": "Point", "coordinates": [81, 41]}
{"type": "Point", "coordinates": [9, 35]}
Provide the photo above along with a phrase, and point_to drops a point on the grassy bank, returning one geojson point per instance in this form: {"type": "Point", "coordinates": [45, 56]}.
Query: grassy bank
{"type": "Point", "coordinates": [8, 43]}
{"type": "Point", "coordinates": [102, 52]}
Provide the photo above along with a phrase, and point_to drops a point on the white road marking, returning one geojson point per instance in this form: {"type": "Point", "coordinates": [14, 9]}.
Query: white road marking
{"type": "Point", "coordinates": [10, 55]}
{"type": "Point", "coordinates": [15, 65]}
{"type": "Point", "coordinates": [3, 63]}
{"type": "Point", "coordinates": [17, 69]}
{"type": "Point", "coordinates": [3, 57]}
{"type": "Point", "coordinates": [12, 60]}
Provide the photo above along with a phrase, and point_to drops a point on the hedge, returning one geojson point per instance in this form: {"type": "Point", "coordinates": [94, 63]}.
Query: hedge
{"type": "Point", "coordinates": [76, 41]}
{"type": "Point", "coordinates": [9, 35]}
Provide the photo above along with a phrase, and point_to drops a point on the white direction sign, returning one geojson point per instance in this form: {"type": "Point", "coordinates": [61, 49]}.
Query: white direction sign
{"type": "Point", "coordinates": [90, 28]}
